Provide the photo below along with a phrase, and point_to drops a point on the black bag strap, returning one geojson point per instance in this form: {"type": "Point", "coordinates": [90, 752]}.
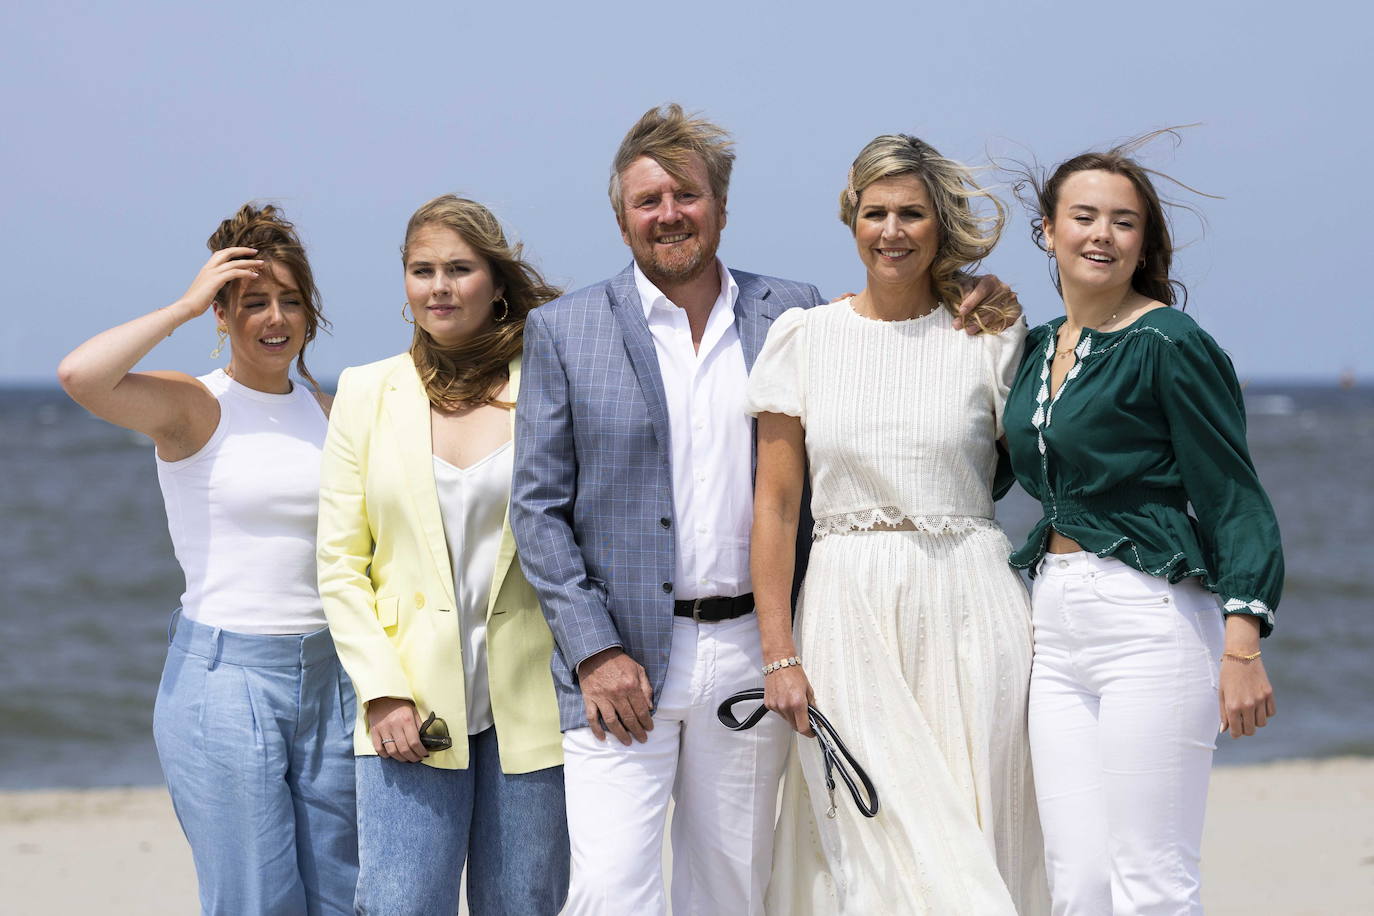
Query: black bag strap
{"type": "Point", "coordinates": [834, 754]}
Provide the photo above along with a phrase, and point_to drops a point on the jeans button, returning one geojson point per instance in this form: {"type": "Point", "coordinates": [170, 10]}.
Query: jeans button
{"type": "Point", "coordinates": [1063, 564]}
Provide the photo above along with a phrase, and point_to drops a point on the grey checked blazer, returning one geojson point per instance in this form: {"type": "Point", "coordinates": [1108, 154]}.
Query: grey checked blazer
{"type": "Point", "coordinates": [592, 498]}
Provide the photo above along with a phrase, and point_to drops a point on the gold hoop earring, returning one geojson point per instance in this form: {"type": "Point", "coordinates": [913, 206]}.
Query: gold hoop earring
{"type": "Point", "coordinates": [505, 310]}
{"type": "Point", "coordinates": [404, 316]}
{"type": "Point", "coordinates": [221, 336]}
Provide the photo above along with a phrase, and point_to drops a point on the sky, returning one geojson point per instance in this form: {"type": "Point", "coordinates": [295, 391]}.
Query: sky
{"type": "Point", "coordinates": [131, 130]}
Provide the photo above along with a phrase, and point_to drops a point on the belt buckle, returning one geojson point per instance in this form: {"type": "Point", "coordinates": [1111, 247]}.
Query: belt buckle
{"type": "Point", "coordinates": [696, 609]}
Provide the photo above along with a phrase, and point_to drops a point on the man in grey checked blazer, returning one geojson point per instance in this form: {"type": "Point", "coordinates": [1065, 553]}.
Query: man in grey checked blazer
{"type": "Point", "coordinates": [617, 424]}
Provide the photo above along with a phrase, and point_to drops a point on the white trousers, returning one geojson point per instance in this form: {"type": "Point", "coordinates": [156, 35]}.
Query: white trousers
{"type": "Point", "coordinates": [1123, 723]}
{"type": "Point", "coordinates": [724, 785]}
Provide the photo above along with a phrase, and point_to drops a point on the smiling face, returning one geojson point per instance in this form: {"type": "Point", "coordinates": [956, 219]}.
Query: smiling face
{"type": "Point", "coordinates": [1097, 230]}
{"type": "Point", "coordinates": [897, 231]}
{"type": "Point", "coordinates": [266, 321]}
{"type": "Point", "coordinates": [672, 227]}
{"type": "Point", "coordinates": [449, 286]}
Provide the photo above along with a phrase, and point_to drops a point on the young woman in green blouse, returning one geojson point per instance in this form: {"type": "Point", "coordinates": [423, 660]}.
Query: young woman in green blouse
{"type": "Point", "coordinates": [1126, 421]}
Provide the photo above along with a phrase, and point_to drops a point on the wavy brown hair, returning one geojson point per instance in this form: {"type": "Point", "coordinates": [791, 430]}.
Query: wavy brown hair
{"type": "Point", "coordinates": [1152, 278]}
{"type": "Point", "coordinates": [473, 372]}
{"type": "Point", "coordinates": [965, 236]}
{"type": "Point", "coordinates": [275, 238]}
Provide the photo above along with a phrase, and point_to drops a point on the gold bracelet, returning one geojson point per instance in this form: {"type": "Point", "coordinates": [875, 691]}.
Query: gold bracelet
{"type": "Point", "coordinates": [1240, 658]}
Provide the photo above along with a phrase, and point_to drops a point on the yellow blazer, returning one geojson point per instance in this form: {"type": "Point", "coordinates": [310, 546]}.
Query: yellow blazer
{"type": "Point", "coordinates": [387, 583]}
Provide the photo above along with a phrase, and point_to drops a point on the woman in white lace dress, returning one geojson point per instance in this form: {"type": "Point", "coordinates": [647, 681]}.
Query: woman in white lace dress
{"type": "Point", "coordinates": [912, 631]}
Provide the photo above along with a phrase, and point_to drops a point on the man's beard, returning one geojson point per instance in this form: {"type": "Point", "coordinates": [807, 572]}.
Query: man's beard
{"type": "Point", "coordinates": [676, 268]}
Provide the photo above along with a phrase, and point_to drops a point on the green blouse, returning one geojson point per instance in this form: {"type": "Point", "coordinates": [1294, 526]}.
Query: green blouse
{"type": "Point", "coordinates": [1148, 422]}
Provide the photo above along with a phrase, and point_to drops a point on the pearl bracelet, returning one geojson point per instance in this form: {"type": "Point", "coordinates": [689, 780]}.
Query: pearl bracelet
{"type": "Point", "coordinates": [781, 664]}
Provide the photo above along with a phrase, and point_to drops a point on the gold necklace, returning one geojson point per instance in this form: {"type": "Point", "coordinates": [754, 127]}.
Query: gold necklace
{"type": "Point", "coordinates": [1065, 352]}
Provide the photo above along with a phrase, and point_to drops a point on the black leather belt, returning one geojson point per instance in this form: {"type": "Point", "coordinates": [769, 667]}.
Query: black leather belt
{"type": "Point", "coordinates": [714, 610]}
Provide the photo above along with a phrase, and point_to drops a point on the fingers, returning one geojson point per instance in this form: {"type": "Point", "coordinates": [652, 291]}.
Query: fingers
{"type": "Point", "coordinates": [229, 254]}
{"type": "Point", "coordinates": [634, 719]}
{"type": "Point", "coordinates": [615, 724]}
{"type": "Point", "coordinates": [594, 721]}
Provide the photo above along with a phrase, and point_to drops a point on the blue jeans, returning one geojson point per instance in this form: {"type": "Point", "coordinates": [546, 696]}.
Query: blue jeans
{"type": "Point", "coordinates": [255, 737]}
{"type": "Point", "coordinates": [418, 824]}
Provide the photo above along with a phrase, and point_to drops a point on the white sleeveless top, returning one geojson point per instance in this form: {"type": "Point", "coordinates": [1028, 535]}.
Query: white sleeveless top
{"type": "Point", "coordinates": [473, 502]}
{"type": "Point", "coordinates": [901, 417]}
{"type": "Point", "coordinates": [242, 512]}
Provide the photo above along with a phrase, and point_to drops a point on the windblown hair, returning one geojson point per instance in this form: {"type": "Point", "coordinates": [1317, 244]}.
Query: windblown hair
{"type": "Point", "coordinates": [1151, 278]}
{"type": "Point", "coordinates": [965, 236]}
{"type": "Point", "coordinates": [472, 373]}
{"type": "Point", "coordinates": [275, 238]}
{"type": "Point", "coordinates": [670, 136]}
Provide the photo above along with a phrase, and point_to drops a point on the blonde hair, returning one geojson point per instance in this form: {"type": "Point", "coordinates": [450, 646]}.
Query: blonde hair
{"type": "Point", "coordinates": [669, 136]}
{"type": "Point", "coordinates": [473, 372]}
{"type": "Point", "coordinates": [275, 238]}
{"type": "Point", "coordinates": [965, 236]}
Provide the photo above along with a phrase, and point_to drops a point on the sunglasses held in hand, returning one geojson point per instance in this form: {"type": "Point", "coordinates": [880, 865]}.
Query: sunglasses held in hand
{"type": "Point", "coordinates": [434, 734]}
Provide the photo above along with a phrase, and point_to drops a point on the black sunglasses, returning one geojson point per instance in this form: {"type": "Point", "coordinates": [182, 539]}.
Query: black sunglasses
{"type": "Point", "coordinates": [434, 734]}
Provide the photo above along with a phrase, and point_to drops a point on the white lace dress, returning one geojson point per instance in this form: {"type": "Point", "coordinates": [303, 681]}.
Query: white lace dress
{"type": "Point", "coordinates": [917, 643]}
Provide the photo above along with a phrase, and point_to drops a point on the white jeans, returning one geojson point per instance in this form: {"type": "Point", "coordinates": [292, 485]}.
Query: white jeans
{"type": "Point", "coordinates": [724, 785]}
{"type": "Point", "coordinates": [1123, 723]}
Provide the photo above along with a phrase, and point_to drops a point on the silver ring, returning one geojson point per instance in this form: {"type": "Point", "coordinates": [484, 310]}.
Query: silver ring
{"type": "Point", "coordinates": [388, 740]}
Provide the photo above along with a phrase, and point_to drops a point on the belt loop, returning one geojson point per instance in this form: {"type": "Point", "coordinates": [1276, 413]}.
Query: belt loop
{"type": "Point", "coordinates": [172, 625]}
{"type": "Point", "coordinates": [216, 640]}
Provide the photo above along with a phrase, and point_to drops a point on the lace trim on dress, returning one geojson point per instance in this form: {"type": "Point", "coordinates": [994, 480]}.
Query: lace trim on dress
{"type": "Point", "coordinates": [868, 519]}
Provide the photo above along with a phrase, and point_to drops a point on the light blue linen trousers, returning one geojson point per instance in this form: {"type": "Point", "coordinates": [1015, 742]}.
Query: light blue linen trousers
{"type": "Point", "coordinates": [255, 736]}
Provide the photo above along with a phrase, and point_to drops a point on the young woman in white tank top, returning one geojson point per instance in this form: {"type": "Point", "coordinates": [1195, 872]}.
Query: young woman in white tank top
{"type": "Point", "coordinates": [254, 711]}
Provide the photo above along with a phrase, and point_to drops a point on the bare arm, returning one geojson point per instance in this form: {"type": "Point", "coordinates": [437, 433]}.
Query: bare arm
{"type": "Point", "coordinates": [772, 560]}
{"type": "Point", "coordinates": [163, 405]}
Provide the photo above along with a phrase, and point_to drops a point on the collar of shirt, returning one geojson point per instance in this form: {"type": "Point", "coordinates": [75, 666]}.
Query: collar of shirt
{"type": "Point", "coordinates": [722, 315]}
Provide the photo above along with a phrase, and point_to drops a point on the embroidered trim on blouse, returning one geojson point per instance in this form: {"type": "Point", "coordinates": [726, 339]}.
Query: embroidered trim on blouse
{"type": "Point", "coordinates": [868, 519]}
{"type": "Point", "coordinates": [1253, 607]}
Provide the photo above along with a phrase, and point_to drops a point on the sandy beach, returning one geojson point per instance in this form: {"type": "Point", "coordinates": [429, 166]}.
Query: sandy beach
{"type": "Point", "coordinates": [1288, 839]}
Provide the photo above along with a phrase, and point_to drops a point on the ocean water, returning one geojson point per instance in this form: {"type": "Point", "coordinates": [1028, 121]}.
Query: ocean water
{"type": "Point", "coordinates": [92, 583]}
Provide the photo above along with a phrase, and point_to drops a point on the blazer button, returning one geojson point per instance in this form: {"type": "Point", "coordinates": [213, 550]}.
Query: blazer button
{"type": "Point", "coordinates": [668, 587]}
{"type": "Point", "coordinates": [665, 522]}
{"type": "Point", "coordinates": [419, 600]}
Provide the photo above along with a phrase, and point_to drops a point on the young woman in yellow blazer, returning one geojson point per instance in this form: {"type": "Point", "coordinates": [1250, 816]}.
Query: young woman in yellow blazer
{"type": "Point", "coordinates": [457, 741]}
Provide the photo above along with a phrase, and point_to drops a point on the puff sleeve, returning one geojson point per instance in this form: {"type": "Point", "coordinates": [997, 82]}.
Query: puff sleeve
{"type": "Point", "coordinates": [1202, 402]}
{"type": "Point", "coordinates": [777, 383]}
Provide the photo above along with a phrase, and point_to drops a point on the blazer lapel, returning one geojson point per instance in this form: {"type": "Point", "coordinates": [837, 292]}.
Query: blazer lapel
{"type": "Point", "coordinates": [506, 554]}
{"type": "Point", "coordinates": [754, 314]}
{"type": "Point", "coordinates": [408, 409]}
{"type": "Point", "coordinates": [639, 345]}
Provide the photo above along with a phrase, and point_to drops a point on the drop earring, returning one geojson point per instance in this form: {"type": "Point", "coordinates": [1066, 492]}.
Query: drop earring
{"type": "Point", "coordinates": [505, 310]}
{"type": "Point", "coordinates": [221, 336]}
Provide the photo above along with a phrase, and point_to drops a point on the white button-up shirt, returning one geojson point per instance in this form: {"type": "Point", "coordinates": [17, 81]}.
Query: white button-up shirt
{"type": "Point", "coordinates": [712, 440]}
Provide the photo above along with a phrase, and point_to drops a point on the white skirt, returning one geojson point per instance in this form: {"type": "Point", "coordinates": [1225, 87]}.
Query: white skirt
{"type": "Point", "coordinates": [918, 647]}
